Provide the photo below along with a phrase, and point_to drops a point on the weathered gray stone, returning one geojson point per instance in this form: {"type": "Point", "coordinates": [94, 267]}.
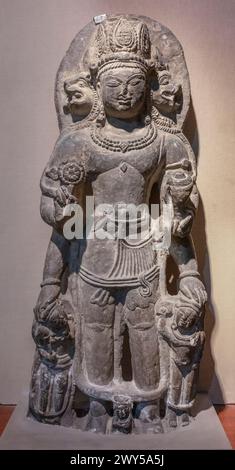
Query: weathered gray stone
{"type": "Point", "coordinates": [204, 432]}
{"type": "Point", "coordinates": [122, 96]}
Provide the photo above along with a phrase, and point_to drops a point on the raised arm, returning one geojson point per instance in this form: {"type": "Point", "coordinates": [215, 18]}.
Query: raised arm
{"type": "Point", "coordinates": [179, 184]}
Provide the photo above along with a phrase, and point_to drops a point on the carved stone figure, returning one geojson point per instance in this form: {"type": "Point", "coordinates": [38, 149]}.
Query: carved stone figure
{"type": "Point", "coordinates": [115, 352]}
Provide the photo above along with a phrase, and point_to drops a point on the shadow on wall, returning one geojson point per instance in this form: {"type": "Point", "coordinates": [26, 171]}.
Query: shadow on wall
{"type": "Point", "coordinates": [207, 367]}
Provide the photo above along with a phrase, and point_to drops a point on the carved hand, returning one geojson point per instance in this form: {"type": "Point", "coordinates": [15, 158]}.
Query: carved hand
{"type": "Point", "coordinates": [59, 212]}
{"type": "Point", "coordinates": [180, 184]}
{"type": "Point", "coordinates": [191, 299]}
{"type": "Point", "coordinates": [193, 289]}
{"type": "Point", "coordinates": [61, 196]}
{"type": "Point", "coordinates": [182, 225]}
{"type": "Point", "coordinates": [164, 307]}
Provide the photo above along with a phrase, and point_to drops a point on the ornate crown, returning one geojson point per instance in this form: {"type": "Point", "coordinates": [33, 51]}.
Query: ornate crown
{"type": "Point", "coordinates": [123, 39]}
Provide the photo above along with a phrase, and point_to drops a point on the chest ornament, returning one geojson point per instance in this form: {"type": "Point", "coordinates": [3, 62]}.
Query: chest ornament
{"type": "Point", "coordinates": [124, 146]}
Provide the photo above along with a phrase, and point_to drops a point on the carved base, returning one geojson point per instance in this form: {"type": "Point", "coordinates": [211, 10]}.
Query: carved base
{"type": "Point", "coordinates": [120, 416]}
{"type": "Point", "coordinates": [204, 432]}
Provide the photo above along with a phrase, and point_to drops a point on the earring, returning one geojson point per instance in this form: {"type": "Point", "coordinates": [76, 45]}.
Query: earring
{"type": "Point", "coordinates": [100, 120]}
{"type": "Point", "coordinates": [147, 119]}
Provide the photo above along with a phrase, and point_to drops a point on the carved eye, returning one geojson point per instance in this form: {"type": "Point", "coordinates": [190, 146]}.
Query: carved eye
{"type": "Point", "coordinates": [113, 83]}
{"type": "Point", "coordinates": [135, 82]}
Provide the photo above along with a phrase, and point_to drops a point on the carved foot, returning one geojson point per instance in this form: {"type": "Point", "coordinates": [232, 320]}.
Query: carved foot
{"type": "Point", "coordinates": [176, 417]}
{"type": "Point", "coordinates": [97, 417]}
{"type": "Point", "coordinates": [149, 418]}
{"type": "Point", "coordinates": [171, 417]}
{"type": "Point", "coordinates": [184, 419]}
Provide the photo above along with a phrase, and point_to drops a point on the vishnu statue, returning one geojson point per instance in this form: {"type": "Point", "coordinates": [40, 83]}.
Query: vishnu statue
{"type": "Point", "coordinates": [115, 351]}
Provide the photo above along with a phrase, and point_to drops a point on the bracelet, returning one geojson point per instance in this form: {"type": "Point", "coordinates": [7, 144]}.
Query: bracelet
{"type": "Point", "coordinates": [50, 282]}
{"type": "Point", "coordinates": [189, 274]}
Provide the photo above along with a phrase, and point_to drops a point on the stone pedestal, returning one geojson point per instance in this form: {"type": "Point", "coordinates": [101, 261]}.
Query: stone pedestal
{"type": "Point", "coordinates": [205, 432]}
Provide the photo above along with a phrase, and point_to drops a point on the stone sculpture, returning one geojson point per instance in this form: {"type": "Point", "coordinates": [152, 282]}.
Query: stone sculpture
{"type": "Point", "coordinates": [122, 96]}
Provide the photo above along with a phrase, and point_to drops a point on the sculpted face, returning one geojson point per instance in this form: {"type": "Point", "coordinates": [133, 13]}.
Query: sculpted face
{"type": "Point", "coordinates": [168, 97]}
{"type": "Point", "coordinates": [186, 317]}
{"type": "Point", "coordinates": [122, 91]}
{"type": "Point", "coordinates": [80, 96]}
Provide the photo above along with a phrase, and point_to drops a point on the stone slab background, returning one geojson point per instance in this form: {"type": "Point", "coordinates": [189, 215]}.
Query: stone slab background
{"type": "Point", "coordinates": [34, 35]}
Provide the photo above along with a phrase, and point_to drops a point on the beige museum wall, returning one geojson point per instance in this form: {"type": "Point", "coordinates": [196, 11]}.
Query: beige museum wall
{"type": "Point", "coordinates": [34, 35]}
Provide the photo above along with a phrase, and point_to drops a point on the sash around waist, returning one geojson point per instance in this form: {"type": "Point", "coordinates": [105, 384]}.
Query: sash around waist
{"type": "Point", "coordinates": [133, 281]}
{"type": "Point", "coordinates": [133, 265]}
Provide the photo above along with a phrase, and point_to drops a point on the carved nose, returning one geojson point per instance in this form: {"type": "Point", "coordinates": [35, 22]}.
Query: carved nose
{"type": "Point", "coordinates": [124, 89]}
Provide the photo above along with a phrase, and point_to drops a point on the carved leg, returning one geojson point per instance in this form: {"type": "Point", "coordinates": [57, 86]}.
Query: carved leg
{"type": "Point", "coordinates": [171, 416]}
{"type": "Point", "coordinates": [98, 335]}
{"type": "Point", "coordinates": [60, 389]}
{"type": "Point", "coordinates": [145, 361]}
{"type": "Point", "coordinates": [45, 381]}
{"type": "Point", "coordinates": [174, 393]}
{"type": "Point", "coordinates": [189, 393]}
{"type": "Point", "coordinates": [35, 383]}
{"type": "Point", "coordinates": [40, 395]}
{"type": "Point", "coordinates": [181, 394]}
{"type": "Point", "coordinates": [144, 347]}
